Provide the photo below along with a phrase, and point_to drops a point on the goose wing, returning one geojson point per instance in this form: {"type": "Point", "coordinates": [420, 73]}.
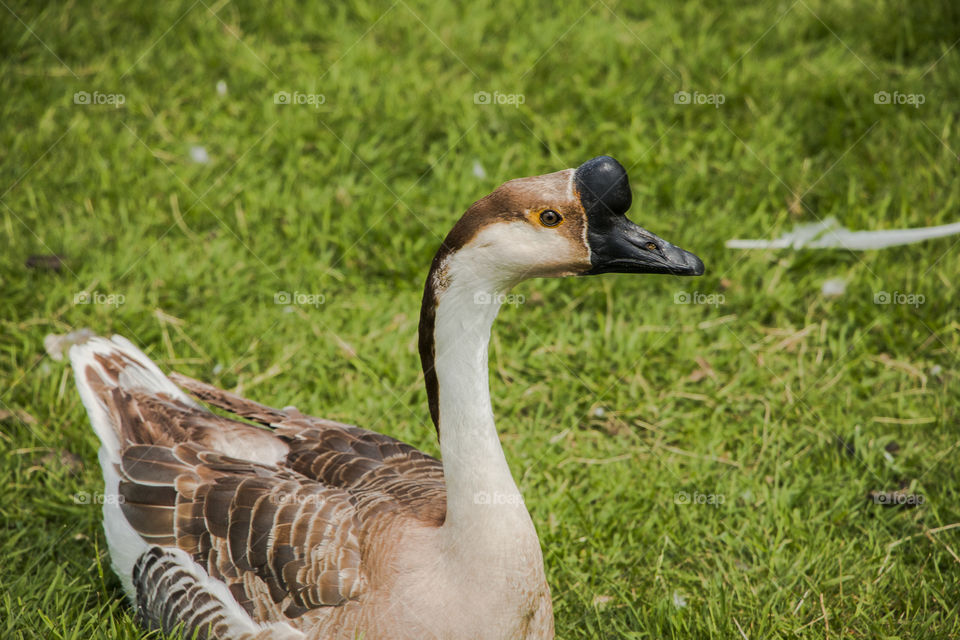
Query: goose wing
{"type": "Point", "coordinates": [287, 518]}
{"type": "Point", "coordinates": [283, 543]}
{"type": "Point", "coordinates": [285, 538]}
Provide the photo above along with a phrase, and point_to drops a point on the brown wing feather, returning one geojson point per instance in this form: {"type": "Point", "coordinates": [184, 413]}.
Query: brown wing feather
{"type": "Point", "coordinates": [158, 418]}
{"type": "Point", "coordinates": [374, 467]}
{"type": "Point", "coordinates": [286, 538]}
{"type": "Point", "coordinates": [171, 595]}
{"type": "Point", "coordinates": [298, 540]}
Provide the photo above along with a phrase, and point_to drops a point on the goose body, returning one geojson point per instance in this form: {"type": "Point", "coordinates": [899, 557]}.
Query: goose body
{"type": "Point", "coordinates": [274, 524]}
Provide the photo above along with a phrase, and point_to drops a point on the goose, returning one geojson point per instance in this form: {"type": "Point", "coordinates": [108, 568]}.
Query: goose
{"type": "Point", "coordinates": [274, 524]}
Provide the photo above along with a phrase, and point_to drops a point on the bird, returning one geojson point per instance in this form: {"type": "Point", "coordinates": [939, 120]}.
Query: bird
{"type": "Point", "coordinates": [255, 522]}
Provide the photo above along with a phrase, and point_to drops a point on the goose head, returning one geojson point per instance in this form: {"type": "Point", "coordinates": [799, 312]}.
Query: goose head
{"type": "Point", "coordinates": [568, 223]}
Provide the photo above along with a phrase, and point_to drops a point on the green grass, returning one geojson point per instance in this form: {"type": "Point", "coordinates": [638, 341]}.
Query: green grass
{"type": "Point", "coordinates": [613, 401]}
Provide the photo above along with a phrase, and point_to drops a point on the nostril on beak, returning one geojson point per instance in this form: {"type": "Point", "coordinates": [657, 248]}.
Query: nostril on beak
{"type": "Point", "coordinates": [642, 242]}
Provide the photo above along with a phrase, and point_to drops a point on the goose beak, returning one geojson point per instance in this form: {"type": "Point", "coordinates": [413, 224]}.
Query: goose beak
{"type": "Point", "coordinates": [626, 247]}
{"type": "Point", "coordinates": [616, 244]}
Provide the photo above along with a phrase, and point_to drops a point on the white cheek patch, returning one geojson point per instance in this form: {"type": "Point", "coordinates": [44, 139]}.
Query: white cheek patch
{"type": "Point", "coordinates": [515, 251]}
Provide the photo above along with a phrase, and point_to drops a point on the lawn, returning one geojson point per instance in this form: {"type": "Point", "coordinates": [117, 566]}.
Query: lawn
{"type": "Point", "coordinates": [252, 192]}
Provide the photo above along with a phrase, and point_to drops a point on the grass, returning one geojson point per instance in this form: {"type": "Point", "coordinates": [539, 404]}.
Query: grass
{"type": "Point", "coordinates": [695, 470]}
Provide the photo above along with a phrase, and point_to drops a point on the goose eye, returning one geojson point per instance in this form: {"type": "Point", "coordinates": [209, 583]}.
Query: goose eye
{"type": "Point", "coordinates": [550, 218]}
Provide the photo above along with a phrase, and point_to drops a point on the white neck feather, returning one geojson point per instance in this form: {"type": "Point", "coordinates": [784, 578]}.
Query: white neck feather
{"type": "Point", "coordinates": [484, 506]}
